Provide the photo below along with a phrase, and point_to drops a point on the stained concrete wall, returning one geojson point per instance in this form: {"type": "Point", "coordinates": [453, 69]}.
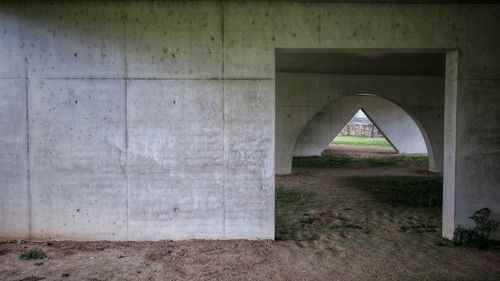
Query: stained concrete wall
{"type": "Point", "coordinates": [14, 198]}
{"type": "Point", "coordinates": [394, 122]}
{"type": "Point", "coordinates": [106, 168]}
{"type": "Point", "coordinates": [133, 132]}
{"type": "Point", "coordinates": [304, 100]}
{"type": "Point", "coordinates": [361, 129]}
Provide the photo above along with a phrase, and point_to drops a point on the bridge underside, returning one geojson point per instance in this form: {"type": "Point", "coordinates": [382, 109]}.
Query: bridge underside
{"type": "Point", "coordinates": [144, 120]}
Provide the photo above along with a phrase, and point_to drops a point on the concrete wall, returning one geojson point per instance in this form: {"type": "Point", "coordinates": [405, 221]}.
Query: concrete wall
{"type": "Point", "coordinates": [135, 128]}
{"type": "Point", "coordinates": [14, 198]}
{"type": "Point", "coordinates": [89, 153]}
{"type": "Point", "coordinates": [358, 129]}
{"type": "Point", "coordinates": [307, 104]}
{"type": "Point", "coordinates": [396, 125]}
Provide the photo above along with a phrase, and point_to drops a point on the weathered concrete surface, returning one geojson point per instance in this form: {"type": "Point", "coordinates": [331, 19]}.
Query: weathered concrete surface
{"type": "Point", "coordinates": [95, 51]}
{"type": "Point", "coordinates": [249, 159]}
{"type": "Point", "coordinates": [11, 41]}
{"type": "Point", "coordinates": [477, 149]}
{"type": "Point", "coordinates": [78, 159]}
{"type": "Point", "coordinates": [173, 40]}
{"type": "Point", "coordinates": [69, 40]}
{"type": "Point", "coordinates": [393, 122]}
{"type": "Point", "coordinates": [14, 197]}
{"type": "Point", "coordinates": [175, 159]}
{"type": "Point", "coordinates": [248, 41]}
{"type": "Point", "coordinates": [301, 96]}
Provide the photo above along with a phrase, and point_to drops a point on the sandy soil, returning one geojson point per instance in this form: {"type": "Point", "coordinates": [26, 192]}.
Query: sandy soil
{"type": "Point", "coordinates": [331, 228]}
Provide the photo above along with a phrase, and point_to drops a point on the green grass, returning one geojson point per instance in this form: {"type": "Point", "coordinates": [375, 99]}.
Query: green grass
{"type": "Point", "coordinates": [292, 214]}
{"type": "Point", "coordinates": [32, 254]}
{"type": "Point", "coordinates": [403, 190]}
{"type": "Point", "coordinates": [297, 216]}
{"type": "Point", "coordinates": [394, 160]}
{"type": "Point", "coordinates": [361, 141]}
{"type": "Point", "coordinates": [340, 160]}
{"type": "Point", "coordinates": [321, 161]}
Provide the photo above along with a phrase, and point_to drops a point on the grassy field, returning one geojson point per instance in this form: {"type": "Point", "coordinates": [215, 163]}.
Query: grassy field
{"type": "Point", "coordinates": [361, 141]}
{"type": "Point", "coordinates": [342, 160]}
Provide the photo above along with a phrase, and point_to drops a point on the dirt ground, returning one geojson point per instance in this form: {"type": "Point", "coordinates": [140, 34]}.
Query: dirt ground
{"type": "Point", "coordinates": [331, 224]}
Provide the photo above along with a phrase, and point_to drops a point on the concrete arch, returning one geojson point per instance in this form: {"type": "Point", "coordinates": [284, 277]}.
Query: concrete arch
{"type": "Point", "coordinates": [403, 131]}
{"type": "Point", "coordinates": [300, 97]}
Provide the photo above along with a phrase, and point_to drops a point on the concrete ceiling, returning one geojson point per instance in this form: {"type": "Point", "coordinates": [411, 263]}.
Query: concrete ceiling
{"type": "Point", "coordinates": [381, 62]}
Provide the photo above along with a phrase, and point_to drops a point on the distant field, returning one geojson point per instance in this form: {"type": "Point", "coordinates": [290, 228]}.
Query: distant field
{"type": "Point", "coordinates": [343, 160]}
{"type": "Point", "coordinates": [361, 141]}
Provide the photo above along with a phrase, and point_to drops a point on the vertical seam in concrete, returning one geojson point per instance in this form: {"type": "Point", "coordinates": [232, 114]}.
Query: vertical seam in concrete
{"type": "Point", "coordinates": [26, 81]}
{"type": "Point", "coordinates": [319, 29]}
{"type": "Point", "coordinates": [26, 89]}
{"type": "Point", "coordinates": [126, 115]}
{"type": "Point", "coordinates": [223, 126]}
{"type": "Point", "coordinates": [457, 55]}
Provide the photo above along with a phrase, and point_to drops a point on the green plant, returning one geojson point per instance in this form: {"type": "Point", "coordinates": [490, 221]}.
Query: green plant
{"type": "Point", "coordinates": [399, 159]}
{"type": "Point", "coordinates": [343, 160]}
{"type": "Point", "coordinates": [354, 140]}
{"type": "Point", "coordinates": [479, 235]}
{"type": "Point", "coordinates": [321, 161]}
{"type": "Point", "coordinates": [32, 254]}
{"type": "Point", "coordinates": [49, 242]}
{"type": "Point", "coordinates": [292, 214]}
{"type": "Point", "coordinates": [409, 191]}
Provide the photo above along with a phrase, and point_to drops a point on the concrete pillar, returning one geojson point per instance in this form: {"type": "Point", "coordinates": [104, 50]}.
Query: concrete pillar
{"type": "Point", "coordinates": [450, 125]}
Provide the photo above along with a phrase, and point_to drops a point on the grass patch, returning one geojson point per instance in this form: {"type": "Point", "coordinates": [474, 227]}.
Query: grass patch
{"type": "Point", "coordinates": [298, 217]}
{"type": "Point", "coordinates": [478, 235]}
{"type": "Point", "coordinates": [399, 159]}
{"type": "Point", "coordinates": [420, 225]}
{"type": "Point", "coordinates": [341, 160]}
{"type": "Point", "coordinates": [32, 254]}
{"type": "Point", "coordinates": [361, 141]}
{"type": "Point", "coordinates": [321, 161]}
{"type": "Point", "coordinates": [292, 217]}
{"type": "Point", "coordinates": [404, 191]}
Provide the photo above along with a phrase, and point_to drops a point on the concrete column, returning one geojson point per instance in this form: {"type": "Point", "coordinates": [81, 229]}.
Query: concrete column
{"type": "Point", "coordinates": [449, 159]}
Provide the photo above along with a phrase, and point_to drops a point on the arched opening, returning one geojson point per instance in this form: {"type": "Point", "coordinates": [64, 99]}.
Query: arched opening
{"type": "Point", "coordinates": [361, 137]}
{"type": "Point", "coordinates": [395, 124]}
{"type": "Point", "coordinates": [332, 193]}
